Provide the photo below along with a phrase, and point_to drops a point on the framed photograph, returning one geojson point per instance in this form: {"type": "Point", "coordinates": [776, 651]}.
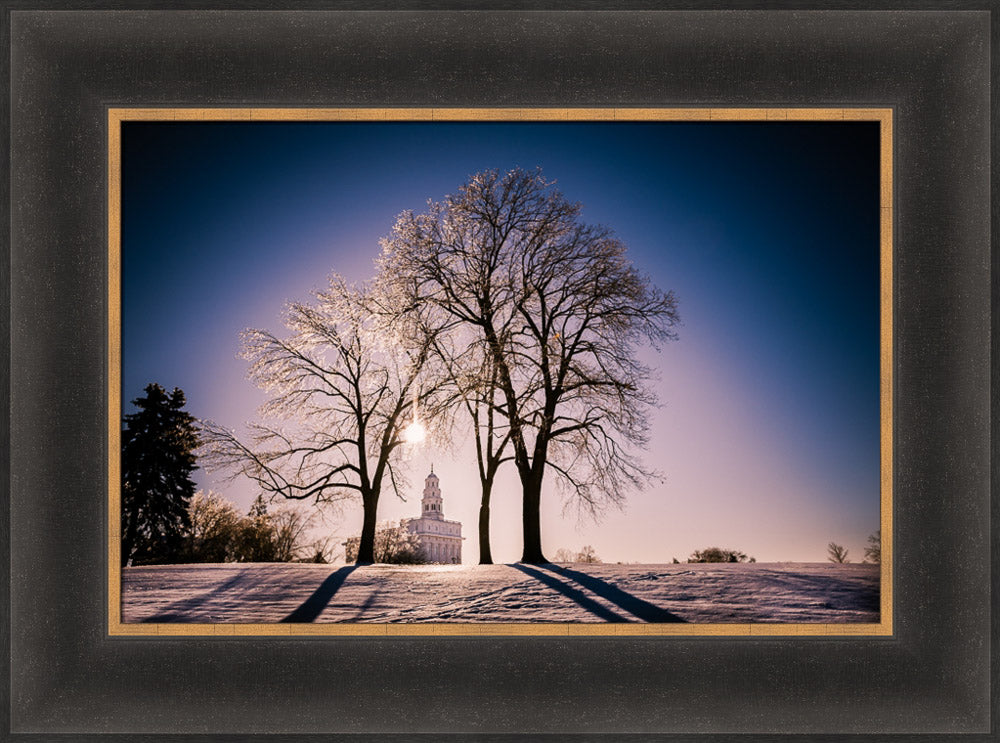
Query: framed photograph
{"type": "Point", "coordinates": [390, 350]}
{"type": "Point", "coordinates": [770, 232]}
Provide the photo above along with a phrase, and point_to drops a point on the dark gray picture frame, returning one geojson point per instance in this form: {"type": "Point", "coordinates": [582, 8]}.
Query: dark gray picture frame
{"type": "Point", "coordinates": [69, 62]}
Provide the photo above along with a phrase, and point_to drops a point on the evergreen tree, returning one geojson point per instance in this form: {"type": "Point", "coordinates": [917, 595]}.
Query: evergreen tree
{"type": "Point", "coordinates": [158, 458]}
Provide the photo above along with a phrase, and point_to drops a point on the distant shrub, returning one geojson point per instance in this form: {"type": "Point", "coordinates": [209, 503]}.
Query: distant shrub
{"type": "Point", "coordinates": [716, 554]}
{"type": "Point", "coordinates": [318, 551]}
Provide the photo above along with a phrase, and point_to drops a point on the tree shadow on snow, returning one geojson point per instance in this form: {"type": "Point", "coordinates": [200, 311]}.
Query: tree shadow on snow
{"type": "Point", "coordinates": [571, 593]}
{"type": "Point", "coordinates": [177, 611]}
{"type": "Point", "coordinates": [837, 593]}
{"type": "Point", "coordinates": [634, 605]}
{"type": "Point", "coordinates": [313, 606]}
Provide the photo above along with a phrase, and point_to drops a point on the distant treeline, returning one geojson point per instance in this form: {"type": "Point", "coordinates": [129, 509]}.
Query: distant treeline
{"type": "Point", "coordinates": [716, 554]}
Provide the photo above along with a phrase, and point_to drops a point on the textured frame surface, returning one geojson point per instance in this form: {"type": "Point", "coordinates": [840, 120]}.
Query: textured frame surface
{"type": "Point", "coordinates": [931, 676]}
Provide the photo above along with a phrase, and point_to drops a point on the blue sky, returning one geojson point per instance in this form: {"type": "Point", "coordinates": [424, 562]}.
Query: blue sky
{"type": "Point", "coordinates": [766, 231]}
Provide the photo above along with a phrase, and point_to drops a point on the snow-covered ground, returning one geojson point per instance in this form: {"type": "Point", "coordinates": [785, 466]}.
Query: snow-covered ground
{"type": "Point", "coordinates": [276, 592]}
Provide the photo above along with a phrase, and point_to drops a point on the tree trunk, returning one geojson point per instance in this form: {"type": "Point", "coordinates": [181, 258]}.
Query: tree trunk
{"type": "Point", "coordinates": [366, 548]}
{"type": "Point", "coordinates": [531, 517]}
{"type": "Point", "coordinates": [485, 555]}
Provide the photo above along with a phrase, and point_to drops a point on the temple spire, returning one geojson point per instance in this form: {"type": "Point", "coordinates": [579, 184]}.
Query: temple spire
{"type": "Point", "coordinates": [432, 505]}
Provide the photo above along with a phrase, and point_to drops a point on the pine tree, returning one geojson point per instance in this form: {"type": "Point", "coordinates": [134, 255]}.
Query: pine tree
{"type": "Point", "coordinates": [158, 458]}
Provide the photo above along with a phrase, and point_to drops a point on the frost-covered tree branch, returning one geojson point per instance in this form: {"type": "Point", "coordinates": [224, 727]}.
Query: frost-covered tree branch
{"type": "Point", "coordinates": [342, 384]}
{"type": "Point", "coordinates": [559, 313]}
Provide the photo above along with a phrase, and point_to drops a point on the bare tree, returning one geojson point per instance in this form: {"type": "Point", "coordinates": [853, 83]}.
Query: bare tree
{"type": "Point", "coordinates": [342, 387]}
{"type": "Point", "coordinates": [836, 553]}
{"type": "Point", "coordinates": [472, 378]}
{"type": "Point", "coordinates": [873, 552]}
{"type": "Point", "coordinates": [289, 528]}
{"type": "Point", "coordinates": [560, 312]}
{"type": "Point", "coordinates": [214, 522]}
{"type": "Point", "coordinates": [588, 555]}
{"type": "Point", "coordinates": [564, 555]}
{"type": "Point", "coordinates": [219, 534]}
{"type": "Point", "coordinates": [320, 550]}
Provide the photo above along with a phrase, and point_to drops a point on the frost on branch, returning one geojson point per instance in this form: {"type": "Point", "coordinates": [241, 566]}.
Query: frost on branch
{"type": "Point", "coordinates": [559, 311]}
{"type": "Point", "coordinates": [341, 386]}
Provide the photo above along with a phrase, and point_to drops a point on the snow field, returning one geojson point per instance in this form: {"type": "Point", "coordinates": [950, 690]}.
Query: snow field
{"type": "Point", "coordinates": [275, 592]}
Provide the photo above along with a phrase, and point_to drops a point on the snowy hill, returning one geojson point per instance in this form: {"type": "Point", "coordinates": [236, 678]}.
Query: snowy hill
{"type": "Point", "coordinates": [276, 592]}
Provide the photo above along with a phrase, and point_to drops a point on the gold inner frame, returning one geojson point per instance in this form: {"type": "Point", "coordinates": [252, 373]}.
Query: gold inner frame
{"type": "Point", "coordinates": [118, 115]}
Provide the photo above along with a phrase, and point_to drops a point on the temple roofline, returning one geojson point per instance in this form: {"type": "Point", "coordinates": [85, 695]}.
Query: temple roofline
{"type": "Point", "coordinates": [436, 521]}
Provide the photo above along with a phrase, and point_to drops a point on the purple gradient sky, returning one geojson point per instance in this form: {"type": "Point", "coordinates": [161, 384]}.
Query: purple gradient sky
{"type": "Point", "coordinates": [767, 232]}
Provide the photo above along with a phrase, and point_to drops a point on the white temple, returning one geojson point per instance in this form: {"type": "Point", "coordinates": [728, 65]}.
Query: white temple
{"type": "Point", "coordinates": [440, 539]}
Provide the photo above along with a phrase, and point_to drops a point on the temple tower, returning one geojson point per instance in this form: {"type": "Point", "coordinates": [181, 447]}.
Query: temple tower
{"type": "Point", "coordinates": [431, 501]}
{"type": "Point", "coordinates": [440, 539]}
